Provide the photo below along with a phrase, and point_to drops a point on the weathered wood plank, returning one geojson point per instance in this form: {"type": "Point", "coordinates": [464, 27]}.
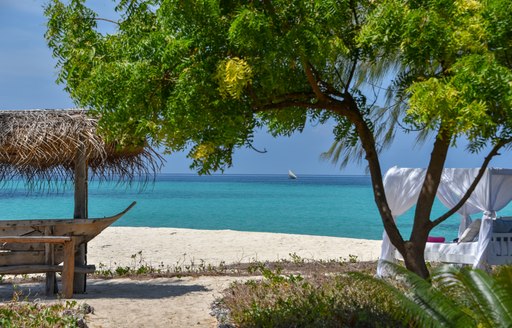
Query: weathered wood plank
{"type": "Point", "coordinates": [51, 287]}
{"type": "Point", "coordinates": [42, 268]}
{"type": "Point", "coordinates": [68, 271]}
{"type": "Point", "coordinates": [30, 225]}
{"type": "Point", "coordinates": [81, 210]}
{"type": "Point", "coordinates": [35, 239]}
{"type": "Point", "coordinates": [22, 257]}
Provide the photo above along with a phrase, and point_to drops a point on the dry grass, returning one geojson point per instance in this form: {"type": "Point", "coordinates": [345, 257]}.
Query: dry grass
{"type": "Point", "coordinates": [140, 269]}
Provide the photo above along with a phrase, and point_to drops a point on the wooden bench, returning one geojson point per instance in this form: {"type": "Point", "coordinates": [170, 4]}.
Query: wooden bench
{"type": "Point", "coordinates": [39, 246]}
{"type": "Point", "coordinates": [68, 269]}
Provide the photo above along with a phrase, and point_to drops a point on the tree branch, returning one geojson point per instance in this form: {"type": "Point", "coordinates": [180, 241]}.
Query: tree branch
{"type": "Point", "coordinates": [368, 142]}
{"type": "Point", "coordinates": [324, 84]}
{"type": "Point", "coordinates": [354, 12]}
{"type": "Point", "coordinates": [282, 105]}
{"type": "Point", "coordinates": [340, 107]}
{"type": "Point", "coordinates": [106, 20]}
{"type": "Point", "coordinates": [352, 72]}
{"type": "Point", "coordinates": [430, 184]}
{"type": "Point", "coordinates": [339, 77]}
{"type": "Point", "coordinates": [250, 145]}
{"type": "Point", "coordinates": [296, 96]}
{"type": "Point", "coordinates": [356, 57]}
{"type": "Point", "coordinates": [473, 185]}
{"type": "Point", "coordinates": [313, 82]}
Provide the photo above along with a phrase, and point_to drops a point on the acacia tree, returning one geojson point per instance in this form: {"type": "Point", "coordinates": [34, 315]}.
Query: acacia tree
{"type": "Point", "coordinates": [203, 75]}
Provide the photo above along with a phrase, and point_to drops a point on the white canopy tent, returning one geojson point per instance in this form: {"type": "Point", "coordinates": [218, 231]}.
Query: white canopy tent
{"type": "Point", "coordinates": [493, 192]}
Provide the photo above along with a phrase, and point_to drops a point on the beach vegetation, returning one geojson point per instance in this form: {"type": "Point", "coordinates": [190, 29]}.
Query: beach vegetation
{"type": "Point", "coordinates": [295, 264]}
{"type": "Point", "coordinates": [205, 75]}
{"type": "Point", "coordinates": [24, 313]}
{"type": "Point", "coordinates": [293, 300]}
{"type": "Point", "coordinates": [455, 297]}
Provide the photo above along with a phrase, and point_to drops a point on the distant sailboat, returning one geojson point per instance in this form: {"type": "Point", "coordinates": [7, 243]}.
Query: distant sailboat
{"type": "Point", "coordinates": [291, 175]}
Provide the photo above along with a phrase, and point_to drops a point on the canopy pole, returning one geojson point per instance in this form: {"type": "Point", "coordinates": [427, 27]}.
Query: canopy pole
{"type": "Point", "coordinates": [81, 212]}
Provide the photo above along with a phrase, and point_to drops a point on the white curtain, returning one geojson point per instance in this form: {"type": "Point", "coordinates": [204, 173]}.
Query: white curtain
{"type": "Point", "coordinates": [493, 192]}
{"type": "Point", "coordinates": [453, 186]}
{"type": "Point", "coordinates": [402, 187]}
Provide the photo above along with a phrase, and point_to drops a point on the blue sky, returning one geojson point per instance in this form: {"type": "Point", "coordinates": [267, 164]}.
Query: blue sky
{"type": "Point", "coordinates": [27, 80]}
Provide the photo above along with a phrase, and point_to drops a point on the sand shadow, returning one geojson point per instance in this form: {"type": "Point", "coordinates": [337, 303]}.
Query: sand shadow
{"type": "Point", "coordinates": [110, 289]}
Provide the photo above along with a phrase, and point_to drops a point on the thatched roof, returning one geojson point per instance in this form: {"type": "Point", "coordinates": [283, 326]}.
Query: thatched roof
{"type": "Point", "coordinates": [43, 144]}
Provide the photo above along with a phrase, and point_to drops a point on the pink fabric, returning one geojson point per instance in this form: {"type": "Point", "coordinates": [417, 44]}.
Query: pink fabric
{"type": "Point", "coordinates": [435, 239]}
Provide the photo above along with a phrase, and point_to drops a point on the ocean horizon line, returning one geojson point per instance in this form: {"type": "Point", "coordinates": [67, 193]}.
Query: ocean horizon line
{"type": "Point", "coordinates": [263, 174]}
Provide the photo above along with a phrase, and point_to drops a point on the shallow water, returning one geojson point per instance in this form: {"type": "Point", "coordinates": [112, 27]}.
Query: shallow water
{"type": "Point", "coordinates": [316, 205]}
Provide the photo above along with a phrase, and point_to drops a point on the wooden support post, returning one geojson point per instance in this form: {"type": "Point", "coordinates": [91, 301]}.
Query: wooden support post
{"type": "Point", "coordinates": [81, 200]}
{"type": "Point", "coordinates": [81, 192]}
{"type": "Point", "coordinates": [69, 268]}
{"type": "Point", "coordinates": [51, 278]}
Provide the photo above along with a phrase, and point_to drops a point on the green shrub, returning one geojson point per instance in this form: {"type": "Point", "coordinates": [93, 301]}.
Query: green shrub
{"type": "Point", "coordinates": [318, 301]}
{"type": "Point", "coordinates": [34, 314]}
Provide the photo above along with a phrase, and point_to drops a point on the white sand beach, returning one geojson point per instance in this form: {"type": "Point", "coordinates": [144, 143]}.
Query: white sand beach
{"type": "Point", "coordinates": [185, 302]}
{"type": "Point", "coordinates": [171, 246]}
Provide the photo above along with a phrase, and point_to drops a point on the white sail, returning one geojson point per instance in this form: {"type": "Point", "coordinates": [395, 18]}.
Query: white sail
{"type": "Point", "coordinates": [291, 175]}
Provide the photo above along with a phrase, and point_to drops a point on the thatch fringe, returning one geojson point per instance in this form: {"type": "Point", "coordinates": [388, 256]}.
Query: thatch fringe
{"type": "Point", "coordinates": [42, 145]}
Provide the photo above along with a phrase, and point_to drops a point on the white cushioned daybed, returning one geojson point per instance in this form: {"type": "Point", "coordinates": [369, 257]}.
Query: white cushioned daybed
{"type": "Point", "coordinates": [500, 249]}
{"type": "Point", "coordinates": [484, 241]}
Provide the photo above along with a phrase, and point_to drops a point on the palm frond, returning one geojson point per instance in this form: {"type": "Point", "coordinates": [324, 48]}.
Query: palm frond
{"type": "Point", "coordinates": [434, 302]}
{"type": "Point", "coordinates": [410, 311]}
{"type": "Point", "coordinates": [491, 297]}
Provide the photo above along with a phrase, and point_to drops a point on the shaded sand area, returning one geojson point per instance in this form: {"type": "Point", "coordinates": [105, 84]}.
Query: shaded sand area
{"type": "Point", "coordinates": [185, 302]}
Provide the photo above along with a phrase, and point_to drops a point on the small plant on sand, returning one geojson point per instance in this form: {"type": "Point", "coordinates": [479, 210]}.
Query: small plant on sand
{"type": "Point", "coordinates": [103, 270]}
{"type": "Point", "coordinates": [122, 271]}
{"type": "Point", "coordinates": [352, 258]}
{"type": "Point", "coordinates": [296, 258]}
{"type": "Point", "coordinates": [18, 313]}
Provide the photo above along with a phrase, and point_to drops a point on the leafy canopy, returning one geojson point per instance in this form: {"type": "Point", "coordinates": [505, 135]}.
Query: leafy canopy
{"type": "Point", "coordinates": [203, 75]}
{"type": "Point", "coordinates": [455, 63]}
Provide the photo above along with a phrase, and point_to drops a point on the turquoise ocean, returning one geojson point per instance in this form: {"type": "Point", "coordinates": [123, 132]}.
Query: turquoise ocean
{"type": "Point", "coordinates": [340, 206]}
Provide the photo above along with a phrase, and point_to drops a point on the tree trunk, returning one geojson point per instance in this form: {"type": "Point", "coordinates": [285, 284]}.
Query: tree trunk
{"type": "Point", "coordinates": [368, 142]}
{"type": "Point", "coordinates": [414, 253]}
{"type": "Point", "coordinates": [413, 250]}
{"type": "Point", "coordinates": [414, 258]}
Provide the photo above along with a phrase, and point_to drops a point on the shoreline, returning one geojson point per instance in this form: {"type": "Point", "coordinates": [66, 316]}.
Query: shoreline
{"type": "Point", "coordinates": [126, 246]}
